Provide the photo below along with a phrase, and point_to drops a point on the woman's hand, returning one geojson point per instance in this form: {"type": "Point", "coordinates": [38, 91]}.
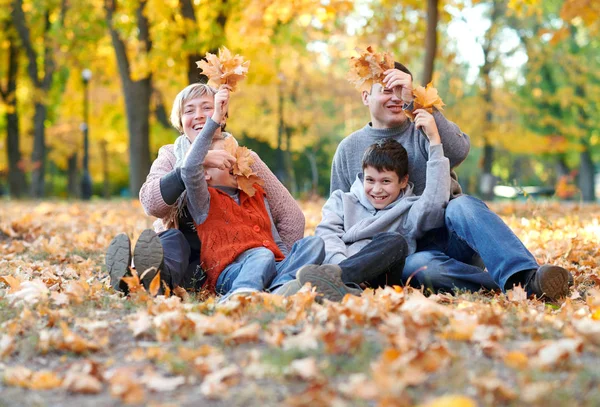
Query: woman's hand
{"type": "Point", "coordinates": [221, 103]}
{"type": "Point", "coordinates": [424, 121]}
{"type": "Point", "coordinates": [220, 159]}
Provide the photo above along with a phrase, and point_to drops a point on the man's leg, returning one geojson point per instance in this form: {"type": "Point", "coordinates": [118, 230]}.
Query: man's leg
{"type": "Point", "coordinates": [436, 271]}
{"type": "Point", "coordinates": [309, 250]}
{"type": "Point", "coordinates": [176, 251]}
{"type": "Point", "coordinates": [472, 225]}
{"type": "Point", "coordinates": [253, 270]}
{"type": "Point", "coordinates": [378, 263]}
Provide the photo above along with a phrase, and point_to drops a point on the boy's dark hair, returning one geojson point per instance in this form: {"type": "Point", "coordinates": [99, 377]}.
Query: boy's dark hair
{"type": "Point", "coordinates": [400, 67]}
{"type": "Point", "coordinates": [387, 155]}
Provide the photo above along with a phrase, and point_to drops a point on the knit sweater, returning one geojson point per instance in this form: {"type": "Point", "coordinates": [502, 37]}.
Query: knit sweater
{"type": "Point", "coordinates": [348, 156]}
{"type": "Point", "coordinates": [230, 229]}
{"type": "Point", "coordinates": [350, 221]}
{"type": "Point", "coordinates": [287, 215]}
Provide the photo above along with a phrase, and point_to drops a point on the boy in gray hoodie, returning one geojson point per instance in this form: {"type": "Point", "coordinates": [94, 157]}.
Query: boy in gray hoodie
{"type": "Point", "coordinates": [369, 231]}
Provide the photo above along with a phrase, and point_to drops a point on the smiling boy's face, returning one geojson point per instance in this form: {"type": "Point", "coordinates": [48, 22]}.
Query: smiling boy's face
{"type": "Point", "coordinates": [382, 187]}
{"type": "Point", "coordinates": [220, 178]}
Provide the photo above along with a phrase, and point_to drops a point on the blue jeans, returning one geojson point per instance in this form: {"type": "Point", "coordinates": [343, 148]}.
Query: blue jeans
{"type": "Point", "coordinates": [443, 262]}
{"type": "Point", "coordinates": [309, 250]}
{"type": "Point", "coordinates": [256, 268]}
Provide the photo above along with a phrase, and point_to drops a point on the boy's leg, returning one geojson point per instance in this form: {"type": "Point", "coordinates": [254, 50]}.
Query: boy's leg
{"type": "Point", "coordinates": [438, 272]}
{"type": "Point", "coordinates": [385, 254]}
{"type": "Point", "coordinates": [254, 269]}
{"type": "Point", "coordinates": [471, 225]}
{"type": "Point", "coordinates": [309, 250]}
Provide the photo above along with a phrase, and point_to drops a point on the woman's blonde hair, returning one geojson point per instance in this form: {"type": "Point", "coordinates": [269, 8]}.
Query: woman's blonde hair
{"type": "Point", "coordinates": [193, 91]}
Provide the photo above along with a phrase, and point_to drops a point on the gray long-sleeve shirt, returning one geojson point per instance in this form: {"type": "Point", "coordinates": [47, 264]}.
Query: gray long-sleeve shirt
{"type": "Point", "coordinates": [350, 221]}
{"type": "Point", "coordinates": [347, 161]}
{"type": "Point", "coordinates": [193, 176]}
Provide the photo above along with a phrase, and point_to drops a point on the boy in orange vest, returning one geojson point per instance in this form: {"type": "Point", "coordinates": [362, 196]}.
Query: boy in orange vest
{"type": "Point", "coordinates": [241, 249]}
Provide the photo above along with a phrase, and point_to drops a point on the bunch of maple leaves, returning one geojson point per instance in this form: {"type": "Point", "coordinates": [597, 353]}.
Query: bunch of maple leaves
{"type": "Point", "coordinates": [496, 348]}
{"type": "Point", "coordinates": [225, 69]}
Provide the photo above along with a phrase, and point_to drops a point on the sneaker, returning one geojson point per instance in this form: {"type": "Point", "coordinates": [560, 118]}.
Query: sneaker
{"type": "Point", "coordinates": [148, 256]}
{"type": "Point", "coordinates": [118, 259]}
{"type": "Point", "coordinates": [549, 281]}
{"type": "Point", "coordinates": [238, 292]}
{"type": "Point", "coordinates": [327, 279]}
{"type": "Point", "coordinates": [287, 289]}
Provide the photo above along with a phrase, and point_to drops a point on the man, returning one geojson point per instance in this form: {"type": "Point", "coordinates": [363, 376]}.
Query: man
{"type": "Point", "coordinates": [444, 258]}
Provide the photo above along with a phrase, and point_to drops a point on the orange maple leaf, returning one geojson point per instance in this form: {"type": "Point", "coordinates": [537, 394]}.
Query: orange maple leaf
{"type": "Point", "coordinates": [155, 285]}
{"type": "Point", "coordinates": [425, 98]}
{"type": "Point", "coordinates": [225, 69]}
{"type": "Point", "coordinates": [368, 69]}
{"type": "Point", "coordinates": [243, 166]}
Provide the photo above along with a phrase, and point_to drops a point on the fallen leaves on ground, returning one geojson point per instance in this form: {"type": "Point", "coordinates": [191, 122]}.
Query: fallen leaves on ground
{"type": "Point", "coordinates": [64, 331]}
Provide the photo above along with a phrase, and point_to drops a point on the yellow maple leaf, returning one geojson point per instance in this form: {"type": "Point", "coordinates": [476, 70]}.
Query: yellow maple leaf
{"type": "Point", "coordinates": [425, 98]}
{"type": "Point", "coordinates": [368, 68]}
{"type": "Point", "coordinates": [246, 184]}
{"type": "Point", "coordinates": [226, 69]}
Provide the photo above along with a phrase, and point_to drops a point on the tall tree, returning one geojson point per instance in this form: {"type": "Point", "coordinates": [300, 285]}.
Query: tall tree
{"type": "Point", "coordinates": [138, 93]}
{"type": "Point", "coordinates": [39, 62]}
{"type": "Point", "coordinates": [430, 40]}
{"type": "Point", "coordinates": [16, 176]}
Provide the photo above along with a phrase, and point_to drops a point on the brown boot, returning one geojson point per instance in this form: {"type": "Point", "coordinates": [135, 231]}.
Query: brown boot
{"type": "Point", "coordinates": [551, 282]}
{"type": "Point", "coordinates": [327, 279]}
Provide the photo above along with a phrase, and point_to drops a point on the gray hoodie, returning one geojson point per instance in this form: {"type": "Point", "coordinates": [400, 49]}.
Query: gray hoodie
{"type": "Point", "coordinates": [350, 221]}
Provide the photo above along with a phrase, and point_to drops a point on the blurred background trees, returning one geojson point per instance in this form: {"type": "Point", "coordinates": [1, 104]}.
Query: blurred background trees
{"type": "Point", "coordinates": [521, 77]}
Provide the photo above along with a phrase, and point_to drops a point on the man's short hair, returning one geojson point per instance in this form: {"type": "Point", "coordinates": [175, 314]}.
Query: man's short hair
{"type": "Point", "coordinates": [387, 155]}
{"type": "Point", "coordinates": [400, 67]}
{"type": "Point", "coordinates": [193, 91]}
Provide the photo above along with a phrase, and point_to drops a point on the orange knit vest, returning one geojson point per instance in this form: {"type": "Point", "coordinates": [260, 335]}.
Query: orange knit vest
{"type": "Point", "coordinates": [231, 229]}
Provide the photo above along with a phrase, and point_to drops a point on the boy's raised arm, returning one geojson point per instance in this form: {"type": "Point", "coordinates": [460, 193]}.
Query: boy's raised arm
{"type": "Point", "coordinates": [192, 173]}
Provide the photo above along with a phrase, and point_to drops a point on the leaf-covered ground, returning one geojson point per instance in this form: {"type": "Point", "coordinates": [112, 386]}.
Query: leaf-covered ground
{"type": "Point", "coordinates": [67, 339]}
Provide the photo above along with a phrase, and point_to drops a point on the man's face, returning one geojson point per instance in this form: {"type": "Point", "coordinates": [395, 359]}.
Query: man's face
{"type": "Point", "coordinates": [385, 107]}
{"type": "Point", "coordinates": [195, 114]}
{"type": "Point", "coordinates": [220, 178]}
{"type": "Point", "coordinates": [382, 187]}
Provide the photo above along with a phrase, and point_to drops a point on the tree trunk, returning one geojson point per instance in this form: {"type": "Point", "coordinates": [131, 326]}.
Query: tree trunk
{"type": "Point", "coordinates": [280, 170]}
{"type": "Point", "coordinates": [104, 154]}
{"type": "Point", "coordinates": [72, 176]}
{"type": "Point", "coordinates": [137, 99]}
{"type": "Point", "coordinates": [586, 174]}
{"type": "Point", "coordinates": [137, 105]}
{"type": "Point", "coordinates": [430, 40]}
{"type": "Point", "coordinates": [38, 155]}
{"type": "Point", "coordinates": [292, 185]}
{"type": "Point", "coordinates": [314, 171]}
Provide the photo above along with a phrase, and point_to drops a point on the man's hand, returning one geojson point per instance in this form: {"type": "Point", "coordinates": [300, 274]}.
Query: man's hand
{"type": "Point", "coordinates": [220, 159]}
{"type": "Point", "coordinates": [400, 83]}
{"type": "Point", "coordinates": [221, 103]}
{"type": "Point", "coordinates": [424, 121]}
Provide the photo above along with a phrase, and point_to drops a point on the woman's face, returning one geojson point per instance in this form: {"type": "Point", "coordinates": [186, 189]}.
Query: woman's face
{"type": "Point", "coordinates": [195, 114]}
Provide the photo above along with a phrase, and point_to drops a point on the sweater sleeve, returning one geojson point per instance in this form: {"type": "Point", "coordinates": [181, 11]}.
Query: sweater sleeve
{"type": "Point", "coordinates": [331, 229]}
{"type": "Point", "coordinates": [275, 233]}
{"type": "Point", "coordinates": [427, 212]}
{"type": "Point", "coordinates": [456, 143]}
{"type": "Point", "coordinates": [193, 176]}
{"type": "Point", "coordinates": [150, 196]}
{"type": "Point", "coordinates": [339, 170]}
{"type": "Point", "coordinates": [287, 215]}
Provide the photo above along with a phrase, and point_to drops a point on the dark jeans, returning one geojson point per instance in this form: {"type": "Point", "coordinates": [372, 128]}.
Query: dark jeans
{"type": "Point", "coordinates": [444, 261]}
{"type": "Point", "coordinates": [181, 265]}
{"type": "Point", "coordinates": [379, 263]}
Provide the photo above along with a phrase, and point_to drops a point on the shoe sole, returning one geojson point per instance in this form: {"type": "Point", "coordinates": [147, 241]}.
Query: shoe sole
{"type": "Point", "coordinates": [554, 282]}
{"type": "Point", "coordinates": [148, 254]}
{"type": "Point", "coordinates": [118, 259]}
{"type": "Point", "coordinates": [329, 285]}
